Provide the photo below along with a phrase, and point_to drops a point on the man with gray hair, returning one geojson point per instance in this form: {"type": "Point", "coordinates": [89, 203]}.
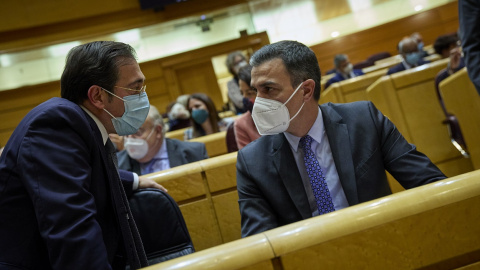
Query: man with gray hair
{"type": "Point", "coordinates": [343, 70]}
{"type": "Point", "coordinates": [148, 150]}
{"type": "Point", "coordinates": [412, 57]}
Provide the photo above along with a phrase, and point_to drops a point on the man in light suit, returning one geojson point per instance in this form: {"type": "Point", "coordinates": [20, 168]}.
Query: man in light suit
{"type": "Point", "coordinates": [354, 144]}
{"type": "Point", "coordinates": [343, 70]}
{"type": "Point", "coordinates": [62, 205]}
{"type": "Point", "coordinates": [149, 151]}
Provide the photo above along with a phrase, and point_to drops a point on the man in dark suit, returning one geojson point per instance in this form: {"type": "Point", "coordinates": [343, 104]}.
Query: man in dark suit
{"type": "Point", "coordinates": [352, 144]}
{"type": "Point", "coordinates": [62, 204]}
{"type": "Point", "coordinates": [343, 70]}
{"type": "Point", "coordinates": [469, 18]}
{"type": "Point", "coordinates": [411, 55]}
{"type": "Point", "coordinates": [149, 151]}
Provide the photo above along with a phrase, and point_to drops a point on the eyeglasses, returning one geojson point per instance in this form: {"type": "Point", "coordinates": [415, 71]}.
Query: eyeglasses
{"type": "Point", "coordinates": [141, 90]}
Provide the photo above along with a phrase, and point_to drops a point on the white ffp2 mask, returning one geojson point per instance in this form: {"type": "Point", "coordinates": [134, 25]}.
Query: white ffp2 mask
{"type": "Point", "coordinates": [271, 117]}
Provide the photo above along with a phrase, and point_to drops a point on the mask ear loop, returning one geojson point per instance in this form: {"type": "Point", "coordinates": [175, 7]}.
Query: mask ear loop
{"type": "Point", "coordinates": [299, 110]}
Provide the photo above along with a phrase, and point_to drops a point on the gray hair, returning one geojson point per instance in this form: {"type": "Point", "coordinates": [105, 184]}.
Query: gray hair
{"type": "Point", "coordinates": [157, 119]}
{"type": "Point", "coordinates": [338, 59]}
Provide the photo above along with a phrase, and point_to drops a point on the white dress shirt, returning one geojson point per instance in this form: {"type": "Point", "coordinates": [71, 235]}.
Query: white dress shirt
{"type": "Point", "coordinates": [104, 133]}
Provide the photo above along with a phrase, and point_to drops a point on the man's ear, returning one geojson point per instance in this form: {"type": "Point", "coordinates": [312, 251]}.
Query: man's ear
{"type": "Point", "coordinates": [159, 130]}
{"type": "Point", "coordinates": [96, 96]}
{"type": "Point", "coordinates": [308, 89]}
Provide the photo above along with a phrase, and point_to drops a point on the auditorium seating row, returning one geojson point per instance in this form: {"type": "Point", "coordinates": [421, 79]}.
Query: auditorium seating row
{"type": "Point", "coordinates": [409, 99]}
{"type": "Point", "coordinates": [429, 227]}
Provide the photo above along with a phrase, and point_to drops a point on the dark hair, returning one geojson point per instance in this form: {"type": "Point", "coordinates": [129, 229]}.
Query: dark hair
{"type": "Point", "coordinates": [94, 63]}
{"type": "Point", "coordinates": [212, 114]}
{"type": "Point", "coordinates": [230, 62]}
{"type": "Point", "coordinates": [300, 61]}
{"type": "Point", "coordinates": [245, 74]}
{"type": "Point", "coordinates": [444, 42]}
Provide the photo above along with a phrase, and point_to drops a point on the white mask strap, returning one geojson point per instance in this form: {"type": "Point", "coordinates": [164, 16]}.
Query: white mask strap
{"type": "Point", "coordinates": [109, 113]}
{"type": "Point", "coordinates": [294, 92]}
{"type": "Point", "coordinates": [299, 110]}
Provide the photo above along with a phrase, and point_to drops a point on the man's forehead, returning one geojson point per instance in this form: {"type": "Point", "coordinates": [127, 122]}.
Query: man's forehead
{"type": "Point", "coordinates": [270, 69]}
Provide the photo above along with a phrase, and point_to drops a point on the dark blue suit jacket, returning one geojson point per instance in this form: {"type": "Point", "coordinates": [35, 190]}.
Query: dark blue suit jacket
{"type": "Point", "coordinates": [179, 153]}
{"type": "Point", "coordinates": [339, 77]}
{"type": "Point", "coordinates": [56, 210]}
{"type": "Point", "coordinates": [364, 144]}
{"type": "Point", "coordinates": [400, 67]}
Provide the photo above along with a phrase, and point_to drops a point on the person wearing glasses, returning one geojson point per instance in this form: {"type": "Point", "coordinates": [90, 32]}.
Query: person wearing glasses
{"type": "Point", "coordinates": [64, 203]}
{"type": "Point", "coordinates": [148, 150]}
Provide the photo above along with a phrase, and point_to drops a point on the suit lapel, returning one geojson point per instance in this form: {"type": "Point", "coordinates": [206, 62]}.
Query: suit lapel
{"type": "Point", "coordinates": [285, 164]}
{"type": "Point", "coordinates": [174, 156]}
{"type": "Point", "coordinates": [339, 140]}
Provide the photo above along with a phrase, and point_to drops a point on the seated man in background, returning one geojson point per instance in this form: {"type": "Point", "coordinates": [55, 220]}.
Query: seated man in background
{"type": "Point", "coordinates": [245, 129]}
{"type": "Point", "coordinates": [149, 151]}
{"type": "Point", "coordinates": [419, 39]}
{"type": "Point", "coordinates": [444, 44]}
{"type": "Point", "coordinates": [412, 57]}
{"type": "Point", "coordinates": [313, 159]}
{"type": "Point", "coordinates": [343, 70]}
{"type": "Point", "coordinates": [455, 64]}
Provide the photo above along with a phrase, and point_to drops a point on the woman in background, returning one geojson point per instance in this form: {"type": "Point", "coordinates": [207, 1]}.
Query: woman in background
{"type": "Point", "coordinates": [204, 117]}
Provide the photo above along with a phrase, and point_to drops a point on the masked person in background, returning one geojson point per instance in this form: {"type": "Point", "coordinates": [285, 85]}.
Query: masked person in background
{"type": "Point", "coordinates": [148, 151]}
{"type": "Point", "coordinates": [343, 70]}
{"type": "Point", "coordinates": [313, 159]}
{"type": "Point", "coordinates": [234, 62]}
{"type": "Point", "coordinates": [245, 129]}
{"type": "Point", "coordinates": [412, 57]}
{"type": "Point", "coordinates": [204, 117]}
{"type": "Point", "coordinates": [64, 203]}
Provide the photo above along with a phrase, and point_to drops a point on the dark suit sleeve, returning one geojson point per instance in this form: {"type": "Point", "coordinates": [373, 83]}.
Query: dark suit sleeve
{"type": "Point", "coordinates": [469, 17]}
{"type": "Point", "coordinates": [256, 214]}
{"type": "Point", "coordinates": [127, 181]}
{"type": "Point", "coordinates": [408, 166]}
{"type": "Point", "coordinates": [54, 157]}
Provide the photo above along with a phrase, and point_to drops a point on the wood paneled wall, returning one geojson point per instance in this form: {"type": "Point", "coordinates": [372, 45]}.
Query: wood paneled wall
{"type": "Point", "coordinates": [32, 23]}
{"type": "Point", "coordinates": [166, 79]}
{"type": "Point", "coordinates": [359, 46]}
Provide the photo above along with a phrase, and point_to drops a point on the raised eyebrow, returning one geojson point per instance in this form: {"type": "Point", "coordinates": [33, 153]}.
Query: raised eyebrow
{"type": "Point", "coordinates": [136, 82]}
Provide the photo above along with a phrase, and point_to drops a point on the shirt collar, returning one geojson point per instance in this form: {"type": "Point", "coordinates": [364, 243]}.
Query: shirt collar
{"type": "Point", "coordinates": [316, 132]}
{"type": "Point", "coordinates": [406, 65]}
{"type": "Point", "coordinates": [162, 153]}
{"type": "Point", "coordinates": [100, 126]}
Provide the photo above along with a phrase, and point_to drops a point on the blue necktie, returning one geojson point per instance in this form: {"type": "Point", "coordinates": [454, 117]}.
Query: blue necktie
{"type": "Point", "coordinates": [317, 179]}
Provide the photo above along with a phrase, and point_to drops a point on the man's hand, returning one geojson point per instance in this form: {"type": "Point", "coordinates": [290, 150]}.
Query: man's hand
{"type": "Point", "coordinates": [145, 182]}
{"type": "Point", "coordinates": [455, 56]}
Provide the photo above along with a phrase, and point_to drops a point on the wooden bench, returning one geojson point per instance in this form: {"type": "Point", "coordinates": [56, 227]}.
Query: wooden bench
{"type": "Point", "coordinates": [350, 90]}
{"type": "Point", "coordinates": [409, 99]}
{"type": "Point", "coordinates": [462, 99]}
{"type": "Point", "coordinates": [206, 192]}
{"type": "Point", "coordinates": [430, 227]}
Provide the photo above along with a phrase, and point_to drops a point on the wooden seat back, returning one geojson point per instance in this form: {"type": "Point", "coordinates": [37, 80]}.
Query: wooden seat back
{"type": "Point", "coordinates": [409, 99]}
{"type": "Point", "coordinates": [462, 100]}
{"type": "Point", "coordinates": [207, 196]}
{"type": "Point", "coordinates": [430, 227]}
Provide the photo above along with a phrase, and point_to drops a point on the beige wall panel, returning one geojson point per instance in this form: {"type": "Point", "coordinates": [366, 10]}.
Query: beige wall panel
{"type": "Point", "coordinates": [4, 137]}
{"type": "Point", "coordinates": [456, 166]}
{"type": "Point", "coordinates": [228, 215]}
{"type": "Point", "coordinates": [202, 225]}
{"type": "Point", "coordinates": [200, 78]}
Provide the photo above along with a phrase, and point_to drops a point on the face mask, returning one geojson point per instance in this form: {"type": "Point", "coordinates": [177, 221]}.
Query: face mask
{"type": "Point", "coordinates": [413, 58]}
{"type": "Point", "coordinates": [200, 116]}
{"type": "Point", "coordinates": [248, 104]}
{"type": "Point", "coordinates": [136, 111]}
{"type": "Point", "coordinates": [420, 46]}
{"type": "Point", "coordinates": [348, 69]}
{"type": "Point", "coordinates": [271, 116]}
{"type": "Point", "coordinates": [137, 148]}
{"type": "Point", "coordinates": [238, 66]}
